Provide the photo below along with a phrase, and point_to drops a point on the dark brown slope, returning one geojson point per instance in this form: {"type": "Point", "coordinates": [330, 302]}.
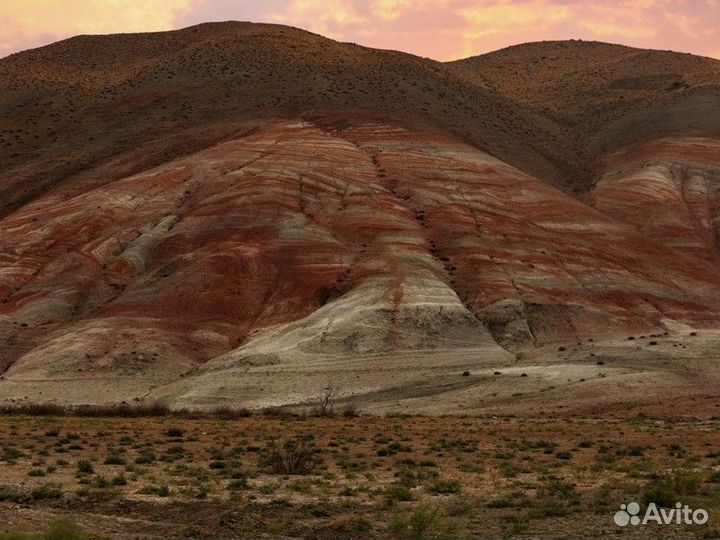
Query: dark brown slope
{"type": "Point", "coordinates": [605, 95]}
{"type": "Point", "coordinates": [126, 102]}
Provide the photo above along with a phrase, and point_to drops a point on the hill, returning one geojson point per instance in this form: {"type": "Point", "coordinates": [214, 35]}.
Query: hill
{"type": "Point", "coordinates": [605, 95]}
{"type": "Point", "coordinates": [127, 102]}
{"type": "Point", "coordinates": [242, 214]}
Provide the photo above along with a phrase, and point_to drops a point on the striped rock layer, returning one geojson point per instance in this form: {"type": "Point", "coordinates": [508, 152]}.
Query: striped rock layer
{"type": "Point", "coordinates": [314, 249]}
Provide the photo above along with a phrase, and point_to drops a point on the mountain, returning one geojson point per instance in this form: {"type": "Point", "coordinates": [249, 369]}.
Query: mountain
{"type": "Point", "coordinates": [606, 96]}
{"type": "Point", "coordinates": [243, 214]}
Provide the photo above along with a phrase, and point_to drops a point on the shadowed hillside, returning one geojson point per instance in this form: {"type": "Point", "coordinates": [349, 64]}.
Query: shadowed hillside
{"type": "Point", "coordinates": [604, 95]}
{"type": "Point", "coordinates": [125, 102]}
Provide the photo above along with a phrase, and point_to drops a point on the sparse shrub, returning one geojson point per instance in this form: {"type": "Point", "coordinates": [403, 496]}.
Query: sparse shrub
{"type": "Point", "coordinates": [421, 523]}
{"type": "Point", "coordinates": [160, 491]}
{"type": "Point", "coordinates": [445, 487]}
{"type": "Point", "coordinates": [515, 499]}
{"type": "Point", "coordinates": [226, 413]}
{"type": "Point", "coordinates": [397, 493]}
{"type": "Point", "coordinates": [294, 456]}
{"type": "Point", "coordinates": [85, 467]}
{"type": "Point", "coordinates": [16, 533]}
{"type": "Point", "coordinates": [174, 432]}
{"type": "Point", "coordinates": [9, 493]}
{"type": "Point", "coordinates": [326, 406]}
{"type": "Point", "coordinates": [392, 449]}
{"type": "Point", "coordinates": [119, 480]}
{"type": "Point", "coordinates": [556, 498]}
{"type": "Point", "coordinates": [114, 459]}
{"type": "Point", "coordinates": [47, 491]}
{"type": "Point", "coordinates": [146, 457]}
{"type": "Point", "coordinates": [65, 528]}
{"type": "Point", "coordinates": [238, 484]}
{"type": "Point", "coordinates": [669, 489]}
{"type": "Point", "coordinates": [101, 482]}
{"type": "Point", "coordinates": [10, 454]}
{"type": "Point", "coordinates": [350, 411]}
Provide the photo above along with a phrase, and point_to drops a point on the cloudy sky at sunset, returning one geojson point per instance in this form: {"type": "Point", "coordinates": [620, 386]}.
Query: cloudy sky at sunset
{"type": "Point", "coordinates": [440, 29]}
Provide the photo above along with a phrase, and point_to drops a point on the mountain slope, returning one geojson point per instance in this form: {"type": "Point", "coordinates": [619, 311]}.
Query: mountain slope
{"type": "Point", "coordinates": [606, 96]}
{"type": "Point", "coordinates": [127, 102]}
{"type": "Point", "coordinates": [242, 214]}
{"type": "Point", "coordinates": [294, 246]}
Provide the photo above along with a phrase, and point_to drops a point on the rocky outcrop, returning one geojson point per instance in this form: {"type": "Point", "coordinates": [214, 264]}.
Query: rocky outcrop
{"type": "Point", "coordinates": [669, 189]}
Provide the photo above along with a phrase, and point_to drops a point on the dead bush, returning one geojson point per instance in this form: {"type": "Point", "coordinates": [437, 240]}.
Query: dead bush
{"type": "Point", "coordinates": [293, 456]}
{"type": "Point", "coordinates": [326, 406]}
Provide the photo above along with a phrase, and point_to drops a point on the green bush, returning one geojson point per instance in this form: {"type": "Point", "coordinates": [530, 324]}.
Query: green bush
{"type": "Point", "coordinates": [238, 484]}
{"type": "Point", "coordinates": [160, 491]}
{"type": "Point", "coordinates": [85, 467]}
{"type": "Point", "coordinates": [65, 528]}
{"type": "Point", "coordinates": [114, 459]}
{"type": "Point", "coordinates": [47, 491]}
{"type": "Point", "coordinates": [422, 523]}
{"type": "Point", "coordinates": [445, 487]}
{"type": "Point", "coordinates": [16, 533]}
{"type": "Point", "coordinates": [395, 494]}
{"type": "Point", "coordinates": [119, 480]}
{"type": "Point", "coordinates": [555, 498]}
{"type": "Point", "coordinates": [9, 493]}
{"type": "Point", "coordinates": [669, 489]}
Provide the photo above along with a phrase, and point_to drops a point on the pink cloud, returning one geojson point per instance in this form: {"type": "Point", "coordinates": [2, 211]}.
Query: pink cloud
{"type": "Point", "coordinates": [25, 24]}
{"type": "Point", "coordinates": [441, 29]}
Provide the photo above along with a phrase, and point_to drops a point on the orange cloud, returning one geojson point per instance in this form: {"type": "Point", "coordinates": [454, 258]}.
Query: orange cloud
{"type": "Point", "coordinates": [440, 29]}
{"type": "Point", "coordinates": [24, 22]}
{"type": "Point", "coordinates": [389, 10]}
{"type": "Point", "coordinates": [321, 17]}
{"type": "Point", "coordinates": [606, 29]}
{"type": "Point", "coordinates": [509, 16]}
{"type": "Point", "coordinates": [507, 19]}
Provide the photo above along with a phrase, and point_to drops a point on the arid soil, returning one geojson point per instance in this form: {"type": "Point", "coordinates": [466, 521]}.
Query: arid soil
{"type": "Point", "coordinates": [371, 477]}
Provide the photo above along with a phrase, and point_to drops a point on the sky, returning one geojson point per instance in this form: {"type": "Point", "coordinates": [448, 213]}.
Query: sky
{"type": "Point", "coordinates": [439, 29]}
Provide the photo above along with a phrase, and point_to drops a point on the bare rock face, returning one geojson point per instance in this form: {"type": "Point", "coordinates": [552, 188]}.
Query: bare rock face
{"type": "Point", "coordinates": [317, 251]}
{"type": "Point", "coordinates": [669, 189]}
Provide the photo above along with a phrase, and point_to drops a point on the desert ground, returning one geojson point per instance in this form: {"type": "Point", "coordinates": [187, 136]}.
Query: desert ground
{"type": "Point", "coordinates": [673, 374]}
{"type": "Point", "coordinates": [396, 476]}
